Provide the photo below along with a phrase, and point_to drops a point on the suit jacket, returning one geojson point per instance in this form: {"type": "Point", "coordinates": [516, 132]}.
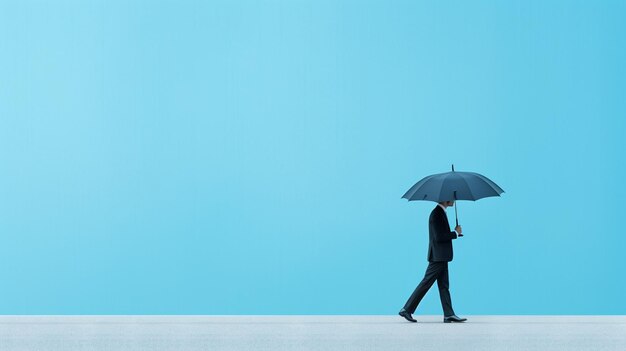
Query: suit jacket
{"type": "Point", "coordinates": [440, 243]}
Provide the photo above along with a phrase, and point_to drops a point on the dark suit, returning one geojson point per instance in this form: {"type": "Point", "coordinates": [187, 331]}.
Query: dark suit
{"type": "Point", "coordinates": [439, 254]}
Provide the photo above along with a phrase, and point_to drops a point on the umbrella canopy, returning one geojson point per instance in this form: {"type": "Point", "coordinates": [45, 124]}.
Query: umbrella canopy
{"type": "Point", "coordinates": [451, 186]}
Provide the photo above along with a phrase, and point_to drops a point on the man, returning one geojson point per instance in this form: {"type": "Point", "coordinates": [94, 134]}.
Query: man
{"type": "Point", "coordinates": [439, 254]}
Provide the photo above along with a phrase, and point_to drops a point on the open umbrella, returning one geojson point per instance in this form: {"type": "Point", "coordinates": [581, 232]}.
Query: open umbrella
{"type": "Point", "coordinates": [452, 186]}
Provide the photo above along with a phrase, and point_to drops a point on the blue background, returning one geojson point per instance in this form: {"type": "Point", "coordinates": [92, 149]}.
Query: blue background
{"type": "Point", "coordinates": [248, 157]}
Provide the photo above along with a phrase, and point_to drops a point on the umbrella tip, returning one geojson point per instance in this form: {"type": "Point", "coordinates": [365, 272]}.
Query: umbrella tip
{"type": "Point", "coordinates": [453, 167]}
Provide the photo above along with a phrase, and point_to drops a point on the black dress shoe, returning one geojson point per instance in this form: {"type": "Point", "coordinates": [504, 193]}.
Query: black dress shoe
{"type": "Point", "coordinates": [453, 318]}
{"type": "Point", "coordinates": [406, 315]}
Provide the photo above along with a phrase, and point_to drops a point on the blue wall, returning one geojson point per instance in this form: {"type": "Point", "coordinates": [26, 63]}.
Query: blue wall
{"type": "Point", "coordinates": [246, 157]}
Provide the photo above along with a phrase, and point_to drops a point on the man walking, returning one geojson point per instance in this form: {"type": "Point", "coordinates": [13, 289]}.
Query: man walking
{"type": "Point", "coordinates": [439, 254]}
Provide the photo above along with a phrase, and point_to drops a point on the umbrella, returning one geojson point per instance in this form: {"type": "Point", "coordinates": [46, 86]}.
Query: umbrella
{"type": "Point", "coordinates": [452, 186]}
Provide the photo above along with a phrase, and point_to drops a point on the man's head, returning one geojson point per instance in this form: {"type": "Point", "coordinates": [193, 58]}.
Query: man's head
{"type": "Point", "coordinates": [447, 203]}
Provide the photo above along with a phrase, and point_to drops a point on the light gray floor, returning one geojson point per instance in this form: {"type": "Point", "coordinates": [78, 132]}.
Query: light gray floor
{"type": "Point", "coordinates": [325, 333]}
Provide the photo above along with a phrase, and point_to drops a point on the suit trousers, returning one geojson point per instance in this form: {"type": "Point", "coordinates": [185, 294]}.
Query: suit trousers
{"type": "Point", "coordinates": [435, 271]}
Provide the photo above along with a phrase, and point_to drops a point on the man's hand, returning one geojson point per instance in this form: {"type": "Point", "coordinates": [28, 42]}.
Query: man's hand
{"type": "Point", "coordinates": [459, 230]}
